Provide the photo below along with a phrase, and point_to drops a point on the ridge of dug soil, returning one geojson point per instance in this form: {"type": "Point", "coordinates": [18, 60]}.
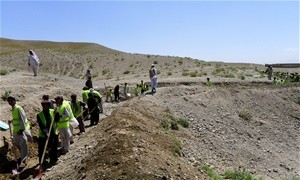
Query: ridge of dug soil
{"type": "Point", "coordinates": [128, 144]}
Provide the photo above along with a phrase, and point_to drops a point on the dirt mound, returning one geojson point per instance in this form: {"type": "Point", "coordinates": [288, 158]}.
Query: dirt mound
{"type": "Point", "coordinates": [129, 144]}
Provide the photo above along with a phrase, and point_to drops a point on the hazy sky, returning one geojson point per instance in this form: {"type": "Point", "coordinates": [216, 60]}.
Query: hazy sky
{"type": "Point", "coordinates": [230, 31]}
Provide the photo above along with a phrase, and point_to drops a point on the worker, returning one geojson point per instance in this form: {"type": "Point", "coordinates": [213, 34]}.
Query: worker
{"type": "Point", "coordinates": [88, 74]}
{"type": "Point", "coordinates": [142, 87]}
{"type": "Point", "coordinates": [137, 90]}
{"type": "Point", "coordinates": [89, 83]}
{"type": "Point", "coordinates": [47, 98]}
{"type": "Point", "coordinates": [117, 93]}
{"type": "Point", "coordinates": [208, 82]}
{"type": "Point", "coordinates": [126, 91]}
{"type": "Point", "coordinates": [109, 94]}
{"type": "Point", "coordinates": [62, 117]}
{"type": "Point", "coordinates": [153, 78]}
{"type": "Point", "coordinates": [94, 109]}
{"type": "Point", "coordinates": [44, 120]}
{"type": "Point", "coordinates": [21, 130]}
{"type": "Point", "coordinates": [34, 62]}
{"type": "Point", "coordinates": [269, 70]}
{"type": "Point", "coordinates": [98, 98]}
{"type": "Point", "coordinates": [78, 107]}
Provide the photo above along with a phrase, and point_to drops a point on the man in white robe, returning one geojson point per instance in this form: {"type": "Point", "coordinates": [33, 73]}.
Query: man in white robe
{"type": "Point", "coordinates": [33, 61]}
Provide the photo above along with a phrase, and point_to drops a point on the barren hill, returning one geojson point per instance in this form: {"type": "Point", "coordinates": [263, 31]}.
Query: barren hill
{"type": "Point", "coordinates": [238, 123]}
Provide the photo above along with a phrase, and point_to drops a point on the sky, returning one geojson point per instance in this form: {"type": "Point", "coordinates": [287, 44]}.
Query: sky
{"type": "Point", "coordinates": [229, 31]}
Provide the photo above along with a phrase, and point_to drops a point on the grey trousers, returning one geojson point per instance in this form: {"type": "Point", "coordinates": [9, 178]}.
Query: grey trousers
{"type": "Point", "coordinates": [65, 135]}
{"type": "Point", "coordinates": [21, 143]}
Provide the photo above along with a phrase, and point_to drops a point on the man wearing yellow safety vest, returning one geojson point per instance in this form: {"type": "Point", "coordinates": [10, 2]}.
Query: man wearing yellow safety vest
{"type": "Point", "coordinates": [98, 98]}
{"type": "Point", "coordinates": [78, 109]}
{"type": "Point", "coordinates": [44, 120]}
{"type": "Point", "coordinates": [63, 115]}
{"type": "Point", "coordinates": [21, 130]}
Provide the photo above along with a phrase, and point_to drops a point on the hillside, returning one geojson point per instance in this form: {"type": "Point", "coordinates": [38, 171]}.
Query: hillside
{"type": "Point", "coordinates": [235, 124]}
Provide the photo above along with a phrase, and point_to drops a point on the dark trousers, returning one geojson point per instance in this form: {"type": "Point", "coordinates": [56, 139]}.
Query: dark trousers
{"type": "Point", "coordinates": [81, 124]}
{"type": "Point", "coordinates": [52, 145]}
{"type": "Point", "coordinates": [94, 118]}
{"type": "Point", "coordinates": [117, 97]}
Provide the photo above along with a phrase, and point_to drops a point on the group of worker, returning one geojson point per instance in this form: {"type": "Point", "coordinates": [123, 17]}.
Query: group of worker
{"type": "Point", "coordinates": [57, 120]}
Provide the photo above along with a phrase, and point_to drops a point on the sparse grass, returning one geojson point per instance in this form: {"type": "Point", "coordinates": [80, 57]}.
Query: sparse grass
{"type": "Point", "coordinates": [3, 72]}
{"type": "Point", "coordinates": [229, 174]}
{"type": "Point", "coordinates": [245, 115]}
{"type": "Point", "coordinates": [105, 70]}
{"type": "Point", "coordinates": [180, 61]}
{"type": "Point", "coordinates": [242, 77]}
{"type": "Point", "coordinates": [176, 146]}
{"type": "Point", "coordinates": [181, 121]}
{"type": "Point", "coordinates": [5, 95]}
{"type": "Point", "coordinates": [126, 72]}
{"type": "Point", "coordinates": [210, 172]}
{"type": "Point", "coordinates": [164, 124]}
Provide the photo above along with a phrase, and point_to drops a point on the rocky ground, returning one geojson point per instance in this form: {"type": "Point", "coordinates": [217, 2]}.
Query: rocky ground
{"type": "Point", "coordinates": [242, 121]}
{"type": "Point", "coordinates": [129, 142]}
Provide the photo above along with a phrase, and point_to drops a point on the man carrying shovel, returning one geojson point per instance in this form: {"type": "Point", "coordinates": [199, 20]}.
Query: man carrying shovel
{"type": "Point", "coordinates": [21, 132]}
{"type": "Point", "coordinates": [44, 119]}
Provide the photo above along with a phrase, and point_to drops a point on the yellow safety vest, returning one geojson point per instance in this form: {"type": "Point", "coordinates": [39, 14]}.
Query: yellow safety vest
{"type": "Point", "coordinates": [17, 119]}
{"type": "Point", "coordinates": [43, 119]}
{"type": "Point", "coordinates": [63, 123]}
{"type": "Point", "coordinates": [78, 111]}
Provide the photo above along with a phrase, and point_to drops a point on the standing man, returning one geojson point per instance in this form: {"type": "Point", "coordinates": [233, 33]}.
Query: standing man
{"type": "Point", "coordinates": [126, 91]}
{"type": "Point", "coordinates": [270, 72]}
{"type": "Point", "coordinates": [77, 107]}
{"type": "Point", "coordinates": [44, 120]}
{"type": "Point", "coordinates": [34, 62]}
{"type": "Point", "coordinates": [93, 109]}
{"type": "Point", "coordinates": [21, 130]}
{"type": "Point", "coordinates": [153, 78]}
{"type": "Point", "coordinates": [117, 93]}
{"type": "Point", "coordinates": [62, 116]}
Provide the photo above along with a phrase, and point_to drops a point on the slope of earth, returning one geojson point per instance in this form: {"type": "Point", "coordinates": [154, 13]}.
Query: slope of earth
{"type": "Point", "coordinates": [240, 125]}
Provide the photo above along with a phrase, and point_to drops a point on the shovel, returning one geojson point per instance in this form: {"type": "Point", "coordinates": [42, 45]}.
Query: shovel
{"type": "Point", "coordinates": [38, 172]}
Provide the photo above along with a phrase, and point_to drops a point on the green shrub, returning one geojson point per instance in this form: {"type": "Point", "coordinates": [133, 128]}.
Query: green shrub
{"type": "Point", "coordinates": [169, 73]}
{"type": "Point", "coordinates": [185, 72]}
{"type": "Point", "coordinates": [193, 74]}
{"type": "Point", "coordinates": [105, 70]}
{"type": "Point", "coordinates": [183, 122]}
{"type": "Point", "coordinates": [155, 62]}
{"type": "Point", "coordinates": [210, 172]}
{"type": "Point", "coordinates": [176, 147]}
{"type": "Point", "coordinates": [148, 56]}
{"type": "Point", "coordinates": [242, 77]}
{"type": "Point", "coordinates": [5, 95]}
{"type": "Point", "coordinates": [245, 115]}
{"type": "Point", "coordinates": [3, 72]}
{"type": "Point", "coordinates": [298, 100]}
{"type": "Point", "coordinates": [164, 124]}
{"type": "Point", "coordinates": [126, 72]}
{"type": "Point", "coordinates": [237, 174]}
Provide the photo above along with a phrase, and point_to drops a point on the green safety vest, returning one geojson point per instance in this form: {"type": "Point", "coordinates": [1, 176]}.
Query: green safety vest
{"type": "Point", "coordinates": [68, 106]}
{"type": "Point", "coordinates": [63, 123]}
{"type": "Point", "coordinates": [43, 119]}
{"type": "Point", "coordinates": [78, 111]}
{"type": "Point", "coordinates": [17, 119]}
{"type": "Point", "coordinates": [136, 90]}
{"type": "Point", "coordinates": [85, 95]}
{"type": "Point", "coordinates": [208, 83]}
